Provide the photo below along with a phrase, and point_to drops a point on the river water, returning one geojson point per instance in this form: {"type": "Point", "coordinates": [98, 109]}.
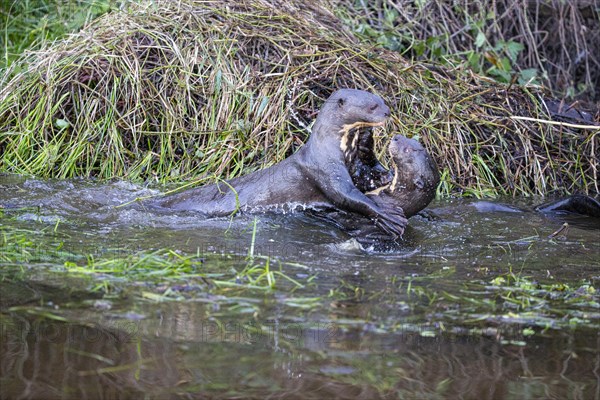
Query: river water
{"type": "Point", "coordinates": [473, 304]}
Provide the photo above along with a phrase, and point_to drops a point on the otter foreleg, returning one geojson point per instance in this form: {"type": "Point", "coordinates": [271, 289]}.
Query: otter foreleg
{"type": "Point", "coordinates": [339, 190]}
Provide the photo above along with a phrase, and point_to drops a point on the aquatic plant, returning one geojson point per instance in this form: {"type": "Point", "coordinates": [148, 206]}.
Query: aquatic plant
{"type": "Point", "coordinates": [169, 91]}
{"type": "Point", "coordinates": [159, 275]}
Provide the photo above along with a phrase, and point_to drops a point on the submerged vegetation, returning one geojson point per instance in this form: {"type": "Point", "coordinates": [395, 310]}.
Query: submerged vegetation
{"type": "Point", "coordinates": [170, 91]}
{"type": "Point", "coordinates": [163, 274]}
{"type": "Point", "coordinates": [343, 321]}
{"type": "Point", "coordinates": [508, 304]}
{"type": "Point", "coordinates": [505, 296]}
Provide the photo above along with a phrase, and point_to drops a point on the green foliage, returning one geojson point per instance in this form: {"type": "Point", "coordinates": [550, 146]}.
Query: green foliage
{"type": "Point", "coordinates": [27, 24]}
{"type": "Point", "coordinates": [493, 58]}
{"type": "Point", "coordinates": [497, 60]}
{"type": "Point", "coordinates": [162, 267]}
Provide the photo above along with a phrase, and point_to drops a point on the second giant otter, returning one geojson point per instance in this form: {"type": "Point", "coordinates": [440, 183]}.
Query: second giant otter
{"type": "Point", "coordinates": [413, 187]}
{"type": "Point", "coordinates": [415, 177]}
{"type": "Point", "coordinates": [315, 175]}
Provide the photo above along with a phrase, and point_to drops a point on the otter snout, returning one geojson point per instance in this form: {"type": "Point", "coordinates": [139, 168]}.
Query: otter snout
{"type": "Point", "coordinates": [383, 109]}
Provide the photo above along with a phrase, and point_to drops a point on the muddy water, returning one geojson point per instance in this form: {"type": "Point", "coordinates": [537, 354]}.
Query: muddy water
{"type": "Point", "coordinates": [473, 304]}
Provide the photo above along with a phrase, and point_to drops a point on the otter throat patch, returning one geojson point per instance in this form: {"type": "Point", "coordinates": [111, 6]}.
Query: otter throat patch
{"type": "Point", "coordinates": [349, 138]}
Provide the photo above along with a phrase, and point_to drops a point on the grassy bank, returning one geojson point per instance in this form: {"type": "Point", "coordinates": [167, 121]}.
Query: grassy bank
{"type": "Point", "coordinates": [173, 91]}
{"type": "Point", "coordinates": [31, 24]}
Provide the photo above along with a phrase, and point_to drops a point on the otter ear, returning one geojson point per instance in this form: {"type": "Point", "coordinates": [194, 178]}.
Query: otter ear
{"type": "Point", "coordinates": [341, 103]}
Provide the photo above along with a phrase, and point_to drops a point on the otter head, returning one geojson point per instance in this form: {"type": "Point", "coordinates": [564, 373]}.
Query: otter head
{"type": "Point", "coordinates": [347, 117]}
{"type": "Point", "coordinates": [351, 106]}
{"type": "Point", "coordinates": [413, 167]}
{"type": "Point", "coordinates": [415, 176]}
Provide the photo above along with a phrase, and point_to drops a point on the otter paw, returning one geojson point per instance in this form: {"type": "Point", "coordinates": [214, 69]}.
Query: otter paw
{"type": "Point", "coordinates": [393, 223]}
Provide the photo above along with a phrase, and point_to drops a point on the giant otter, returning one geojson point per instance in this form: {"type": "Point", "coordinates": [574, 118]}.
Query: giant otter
{"type": "Point", "coordinates": [577, 204]}
{"type": "Point", "coordinates": [415, 178]}
{"type": "Point", "coordinates": [315, 175]}
{"type": "Point", "coordinates": [413, 186]}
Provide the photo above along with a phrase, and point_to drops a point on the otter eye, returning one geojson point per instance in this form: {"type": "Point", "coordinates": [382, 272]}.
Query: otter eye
{"type": "Point", "coordinates": [341, 102]}
{"type": "Point", "coordinates": [373, 107]}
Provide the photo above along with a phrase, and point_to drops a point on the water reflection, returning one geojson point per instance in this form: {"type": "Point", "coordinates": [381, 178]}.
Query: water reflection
{"type": "Point", "coordinates": [194, 358]}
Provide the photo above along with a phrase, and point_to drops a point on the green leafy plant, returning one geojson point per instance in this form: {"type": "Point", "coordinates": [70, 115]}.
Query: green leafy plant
{"type": "Point", "coordinates": [28, 24]}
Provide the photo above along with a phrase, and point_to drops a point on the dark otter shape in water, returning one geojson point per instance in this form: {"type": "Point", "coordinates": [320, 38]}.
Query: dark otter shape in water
{"type": "Point", "coordinates": [575, 204]}
{"type": "Point", "coordinates": [315, 175]}
{"type": "Point", "coordinates": [413, 186]}
{"type": "Point", "coordinates": [579, 204]}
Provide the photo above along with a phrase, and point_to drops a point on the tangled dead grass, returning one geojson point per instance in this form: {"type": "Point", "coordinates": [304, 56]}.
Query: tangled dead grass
{"type": "Point", "coordinates": [173, 90]}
